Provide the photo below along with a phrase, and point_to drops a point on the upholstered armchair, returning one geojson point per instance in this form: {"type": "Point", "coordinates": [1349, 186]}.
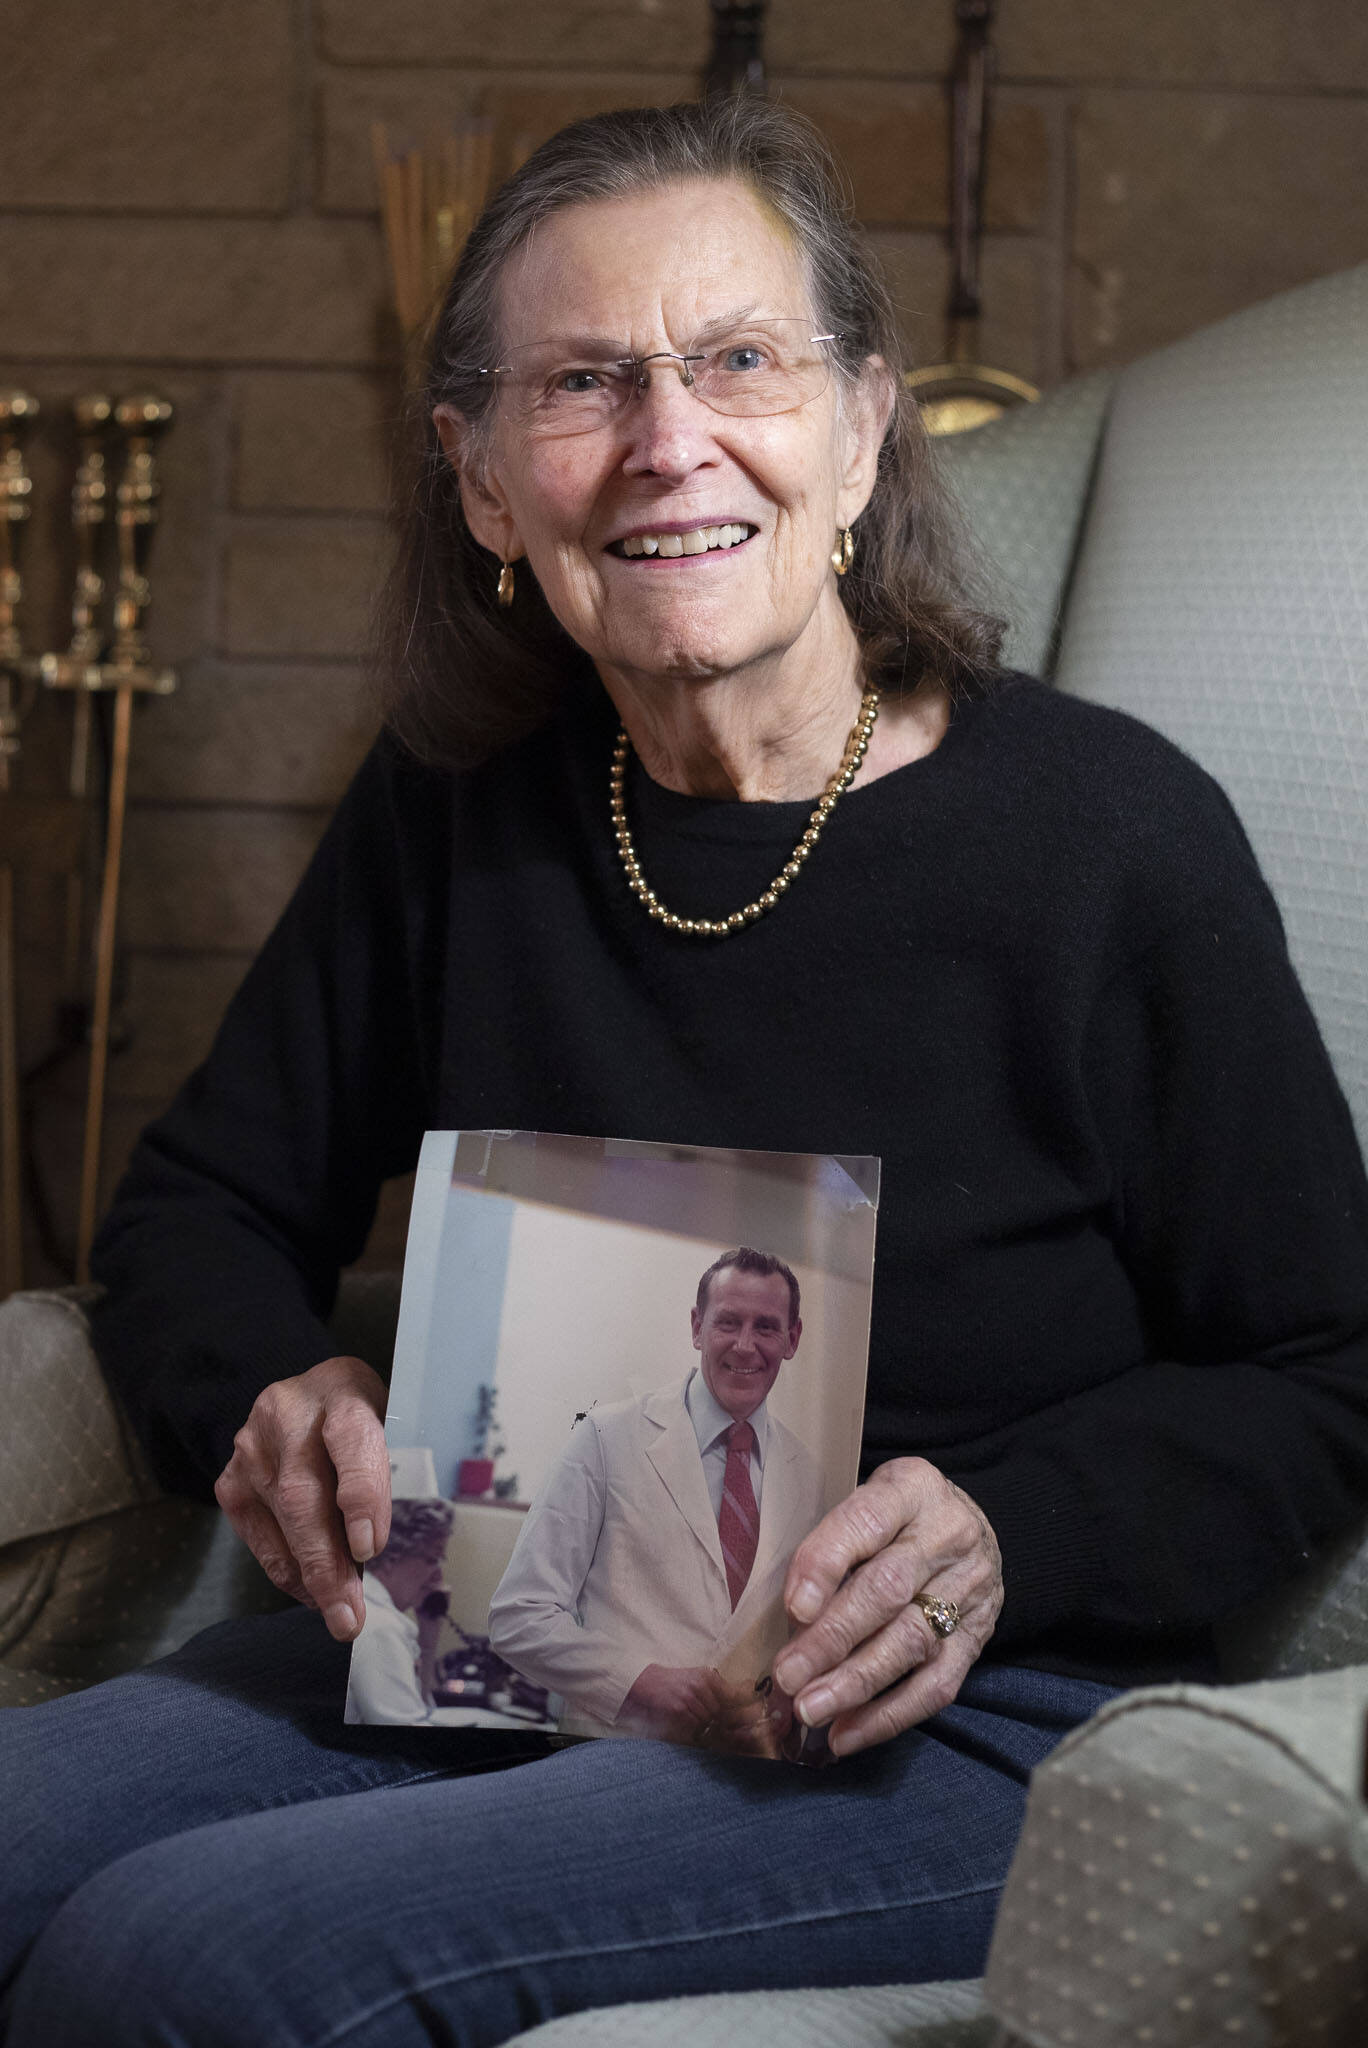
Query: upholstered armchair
{"type": "Point", "coordinates": [1187, 539]}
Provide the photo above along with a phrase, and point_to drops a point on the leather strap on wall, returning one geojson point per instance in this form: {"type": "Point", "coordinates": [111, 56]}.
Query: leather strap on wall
{"type": "Point", "coordinates": [969, 82]}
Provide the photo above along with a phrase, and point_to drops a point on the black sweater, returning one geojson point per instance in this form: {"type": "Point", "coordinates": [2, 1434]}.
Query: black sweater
{"type": "Point", "coordinates": [1122, 1271]}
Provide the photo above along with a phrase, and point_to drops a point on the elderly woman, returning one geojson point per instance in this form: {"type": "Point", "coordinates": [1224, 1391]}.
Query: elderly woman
{"type": "Point", "coordinates": [705, 813]}
{"type": "Point", "coordinates": [393, 1675]}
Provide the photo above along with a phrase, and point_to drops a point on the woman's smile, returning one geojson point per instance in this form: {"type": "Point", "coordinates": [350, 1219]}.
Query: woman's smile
{"type": "Point", "coordinates": [679, 542]}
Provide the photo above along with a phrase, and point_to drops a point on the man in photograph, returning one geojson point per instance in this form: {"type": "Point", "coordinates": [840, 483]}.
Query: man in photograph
{"type": "Point", "coordinates": [645, 1586]}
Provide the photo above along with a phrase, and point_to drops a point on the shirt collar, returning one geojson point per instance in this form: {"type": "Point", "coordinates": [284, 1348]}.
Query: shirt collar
{"type": "Point", "coordinates": [711, 1420]}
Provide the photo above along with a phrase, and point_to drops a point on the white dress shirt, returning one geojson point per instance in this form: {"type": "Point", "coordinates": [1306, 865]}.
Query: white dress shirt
{"type": "Point", "coordinates": [711, 1423]}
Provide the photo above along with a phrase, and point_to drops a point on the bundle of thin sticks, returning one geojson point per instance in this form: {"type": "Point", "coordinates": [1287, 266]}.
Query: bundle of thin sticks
{"type": "Point", "coordinates": [429, 200]}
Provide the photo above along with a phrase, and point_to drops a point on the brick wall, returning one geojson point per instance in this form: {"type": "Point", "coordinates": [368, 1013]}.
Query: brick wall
{"type": "Point", "coordinates": [187, 202]}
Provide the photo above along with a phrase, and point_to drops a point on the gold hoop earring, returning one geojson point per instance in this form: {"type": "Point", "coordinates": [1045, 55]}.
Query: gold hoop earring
{"type": "Point", "coordinates": [843, 554]}
{"type": "Point", "coordinates": [505, 590]}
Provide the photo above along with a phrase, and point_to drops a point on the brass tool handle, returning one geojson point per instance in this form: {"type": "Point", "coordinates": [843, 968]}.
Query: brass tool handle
{"type": "Point", "coordinates": [89, 511]}
{"type": "Point", "coordinates": [141, 420]}
{"type": "Point", "coordinates": [127, 670]}
{"type": "Point", "coordinates": [18, 411]}
{"type": "Point", "coordinates": [90, 507]}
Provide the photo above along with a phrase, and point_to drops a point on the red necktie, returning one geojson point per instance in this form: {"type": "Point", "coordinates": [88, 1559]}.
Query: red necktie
{"type": "Point", "coordinates": [738, 1519]}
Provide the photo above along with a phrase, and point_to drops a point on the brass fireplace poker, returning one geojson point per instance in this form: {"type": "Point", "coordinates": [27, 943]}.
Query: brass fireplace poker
{"type": "Point", "coordinates": [126, 671]}
{"type": "Point", "coordinates": [963, 392]}
{"type": "Point", "coordinates": [47, 832]}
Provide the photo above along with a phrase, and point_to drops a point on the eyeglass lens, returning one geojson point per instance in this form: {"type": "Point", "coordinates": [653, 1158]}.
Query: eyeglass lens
{"type": "Point", "coordinates": [762, 368]}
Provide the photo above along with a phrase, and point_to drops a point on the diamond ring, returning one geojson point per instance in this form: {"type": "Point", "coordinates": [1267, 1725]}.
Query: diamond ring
{"type": "Point", "coordinates": [943, 1615]}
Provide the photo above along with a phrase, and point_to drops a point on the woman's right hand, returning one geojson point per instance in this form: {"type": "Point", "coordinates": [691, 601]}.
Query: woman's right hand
{"type": "Point", "coordinates": [307, 1487]}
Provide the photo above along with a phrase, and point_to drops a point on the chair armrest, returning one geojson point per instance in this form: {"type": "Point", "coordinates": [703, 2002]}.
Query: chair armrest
{"type": "Point", "coordinates": [1194, 1869]}
{"type": "Point", "coordinates": [66, 1453]}
{"type": "Point", "coordinates": [879, 2016]}
{"type": "Point", "coordinates": [1318, 1622]}
{"type": "Point", "coordinates": [1024, 481]}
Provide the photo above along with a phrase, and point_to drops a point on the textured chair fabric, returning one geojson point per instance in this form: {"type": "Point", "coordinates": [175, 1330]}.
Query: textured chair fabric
{"type": "Point", "coordinates": [65, 1454]}
{"type": "Point", "coordinates": [885, 2016]}
{"type": "Point", "coordinates": [1316, 1624]}
{"type": "Point", "coordinates": [117, 1591]}
{"type": "Point", "coordinates": [1222, 595]}
{"type": "Point", "coordinates": [99, 1571]}
{"type": "Point", "coordinates": [1022, 482]}
{"type": "Point", "coordinates": [1194, 1869]}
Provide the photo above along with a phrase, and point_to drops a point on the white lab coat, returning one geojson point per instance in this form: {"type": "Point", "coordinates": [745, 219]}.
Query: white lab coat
{"type": "Point", "coordinates": [383, 1685]}
{"type": "Point", "coordinates": [619, 1564]}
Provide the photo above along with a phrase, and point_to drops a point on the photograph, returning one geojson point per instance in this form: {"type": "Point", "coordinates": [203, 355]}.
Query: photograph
{"type": "Point", "coordinates": [629, 1379]}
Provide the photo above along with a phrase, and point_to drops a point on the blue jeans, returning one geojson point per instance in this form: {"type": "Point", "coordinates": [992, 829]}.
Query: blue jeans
{"type": "Point", "coordinates": [200, 1855]}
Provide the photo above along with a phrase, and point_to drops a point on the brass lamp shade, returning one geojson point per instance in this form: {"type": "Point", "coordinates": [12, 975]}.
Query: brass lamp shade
{"type": "Point", "coordinates": [954, 397]}
{"type": "Point", "coordinates": [962, 392]}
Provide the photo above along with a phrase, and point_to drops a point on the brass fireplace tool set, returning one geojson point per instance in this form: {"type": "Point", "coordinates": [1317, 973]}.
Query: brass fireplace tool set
{"type": "Point", "coordinates": [106, 656]}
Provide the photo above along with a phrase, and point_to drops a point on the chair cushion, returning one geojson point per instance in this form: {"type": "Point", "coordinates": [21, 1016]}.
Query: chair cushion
{"type": "Point", "coordinates": [1318, 1623]}
{"type": "Point", "coordinates": [115, 1592]}
{"type": "Point", "coordinates": [1023, 483]}
{"type": "Point", "coordinates": [99, 1571]}
{"type": "Point", "coordinates": [883, 2016]}
{"type": "Point", "coordinates": [1221, 594]}
{"type": "Point", "coordinates": [1194, 1869]}
{"type": "Point", "coordinates": [65, 1453]}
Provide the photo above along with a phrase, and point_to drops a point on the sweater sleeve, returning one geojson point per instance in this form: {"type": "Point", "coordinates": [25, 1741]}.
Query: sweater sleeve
{"type": "Point", "coordinates": [221, 1252]}
{"type": "Point", "coordinates": [1175, 1491]}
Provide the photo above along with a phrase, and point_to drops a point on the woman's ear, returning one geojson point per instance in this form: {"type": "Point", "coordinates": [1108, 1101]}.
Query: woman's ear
{"type": "Point", "coordinates": [486, 509]}
{"type": "Point", "coordinates": [868, 410]}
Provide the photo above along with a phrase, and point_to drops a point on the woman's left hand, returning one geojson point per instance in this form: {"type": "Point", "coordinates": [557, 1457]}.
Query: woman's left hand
{"type": "Point", "coordinates": [866, 1660]}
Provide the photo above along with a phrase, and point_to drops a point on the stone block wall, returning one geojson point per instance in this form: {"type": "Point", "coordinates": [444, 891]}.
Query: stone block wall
{"type": "Point", "coordinates": [187, 202]}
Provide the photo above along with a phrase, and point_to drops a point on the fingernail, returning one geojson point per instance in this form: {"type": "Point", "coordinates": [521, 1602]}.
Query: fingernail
{"type": "Point", "coordinates": [817, 1707]}
{"type": "Point", "coordinates": [789, 1673]}
{"type": "Point", "coordinates": [806, 1601]}
{"type": "Point", "coordinates": [361, 1536]}
{"type": "Point", "coordinates": [341, 1620]}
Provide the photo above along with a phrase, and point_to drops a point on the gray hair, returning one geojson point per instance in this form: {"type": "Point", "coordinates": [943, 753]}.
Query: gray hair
{"type": "Point", "coordinates": [417, 1528]}
{"type": "Point", "coordinates": [457, 676]}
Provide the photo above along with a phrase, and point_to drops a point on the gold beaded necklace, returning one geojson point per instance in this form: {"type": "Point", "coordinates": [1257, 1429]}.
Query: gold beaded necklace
{"type": "Point", "coordinates": [723, 927]}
